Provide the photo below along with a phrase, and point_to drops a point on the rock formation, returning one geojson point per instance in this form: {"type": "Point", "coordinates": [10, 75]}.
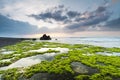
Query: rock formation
{"type": "Point", "coordinates": [45, 37]}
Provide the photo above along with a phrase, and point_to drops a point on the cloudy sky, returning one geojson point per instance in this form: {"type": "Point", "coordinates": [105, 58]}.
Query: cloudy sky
{"type": "Point", "coordinates": [59, 18]}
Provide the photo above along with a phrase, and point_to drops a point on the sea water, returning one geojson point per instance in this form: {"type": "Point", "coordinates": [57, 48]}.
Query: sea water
{"type": "Point", "coordinates": [97, 41]}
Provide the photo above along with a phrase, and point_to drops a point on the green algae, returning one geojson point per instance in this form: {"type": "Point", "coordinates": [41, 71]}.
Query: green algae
{"type": "Point", "coordinates": [61, 65]}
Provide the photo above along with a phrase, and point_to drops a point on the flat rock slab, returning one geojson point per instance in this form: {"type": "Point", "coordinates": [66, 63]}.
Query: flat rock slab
{"type": "Point", "coordinates": [82, 69]}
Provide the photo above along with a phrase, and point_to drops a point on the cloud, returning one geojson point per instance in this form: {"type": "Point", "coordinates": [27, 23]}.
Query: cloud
{"type": "Point", "coordinates": [18, 9]}
{"type": "Point", "coordinates": [57, 14]}
{"type": "Point", "coordinates": [88, 19]}
{"type": "Point", "coordinates": [113, 25]}
{"type": "Point", "coordinates": [48, 15]}
{"type": "Point", "coordinates": [13, 27]}
{"type": "Point", "coordinates": [72, 14]}
{"type": "Point", "coordinates": [101, 9]}
{"type": "Point", "coordinates": [9, 26]}
{"type": "Point", "coordinates": [89, 22]}
{"type": "Point", "coordinates": [73, 20]}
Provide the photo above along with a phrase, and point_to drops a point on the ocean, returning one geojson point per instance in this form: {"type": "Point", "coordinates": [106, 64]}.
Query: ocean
{"type": "Point", "coordinates": [97, 41]}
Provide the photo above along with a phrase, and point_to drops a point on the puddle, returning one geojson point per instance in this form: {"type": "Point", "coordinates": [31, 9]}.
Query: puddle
{"type": "Point", "coordinates": [108, 54]}
{"type": "Point", "coordinates": [45, 45]}
{"type": "Point", "coordinates": [32, 44]}
{"type": "Point", "coordinates": [100, 63]}
{"type": "Point", "coordinates": [25, 47]}
{"type": "Point", "coordinates": [2, 50]}
{"type": "Point", "coordinates": [25, 62]}
{"type": "Point", "coordinates": [63, 57]}
{"type": "Point", "coordinates": [0, 76]}
{"type": "Point", "coordinates": [62, 50]}
{"type": "Point", "coordinates": [7, 52]}
{"type": "Point", "coordinates": [88, 54]}
{"type": "Point", "coordinates": [16, 54]}
{"type": "Point", "coordinates": [5, 60]}
{"type": "Point", "coordinates": [29, 61]}
{"type": "Point", "coordinates": [82, 69]}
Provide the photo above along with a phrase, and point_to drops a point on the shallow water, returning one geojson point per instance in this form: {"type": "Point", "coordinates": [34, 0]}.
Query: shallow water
{"type": "Point", "coordinates": [5, 60]}
{"type": "Point", "coordinates": [62, 50]}
{"type": "Point", "coordinates": [88, 54]}
{"type": "Point", "coordinates": [7, 52]}
{"type": "Point", "coordinates": [28, 61]}
{"type": "Point", "coordinates": [0, 77]}
{"type": "Point", "coordinates": [25, 62]}
{"type": "Point", "coordinates": [97, 41]}
{"type": "Point", "coordinates": [2, 50]}
{"type": "Point", "coordinates": [108, 54]}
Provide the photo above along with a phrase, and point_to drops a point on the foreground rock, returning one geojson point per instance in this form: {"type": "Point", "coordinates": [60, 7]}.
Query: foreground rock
{"type": "Point", "coordinates": [82, 69]}
{"type": "Point", "coordinates": [45, 37]}
{"type": "Point", "coordinates": [49, 76]}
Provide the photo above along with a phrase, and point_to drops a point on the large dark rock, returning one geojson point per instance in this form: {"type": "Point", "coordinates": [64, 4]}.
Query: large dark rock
{"type": "Point", "coordinates": [45, 37]}
{"type": "Point", "coordinates": [49, 76]}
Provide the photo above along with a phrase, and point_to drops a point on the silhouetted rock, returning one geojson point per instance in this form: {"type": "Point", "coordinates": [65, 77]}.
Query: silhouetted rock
{"type": "Point", "coordinates": [45, 37]}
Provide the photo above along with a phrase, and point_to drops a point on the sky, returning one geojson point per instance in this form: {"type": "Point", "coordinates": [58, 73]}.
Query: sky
{"type": "Point", "coordinates": [60, 18]}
